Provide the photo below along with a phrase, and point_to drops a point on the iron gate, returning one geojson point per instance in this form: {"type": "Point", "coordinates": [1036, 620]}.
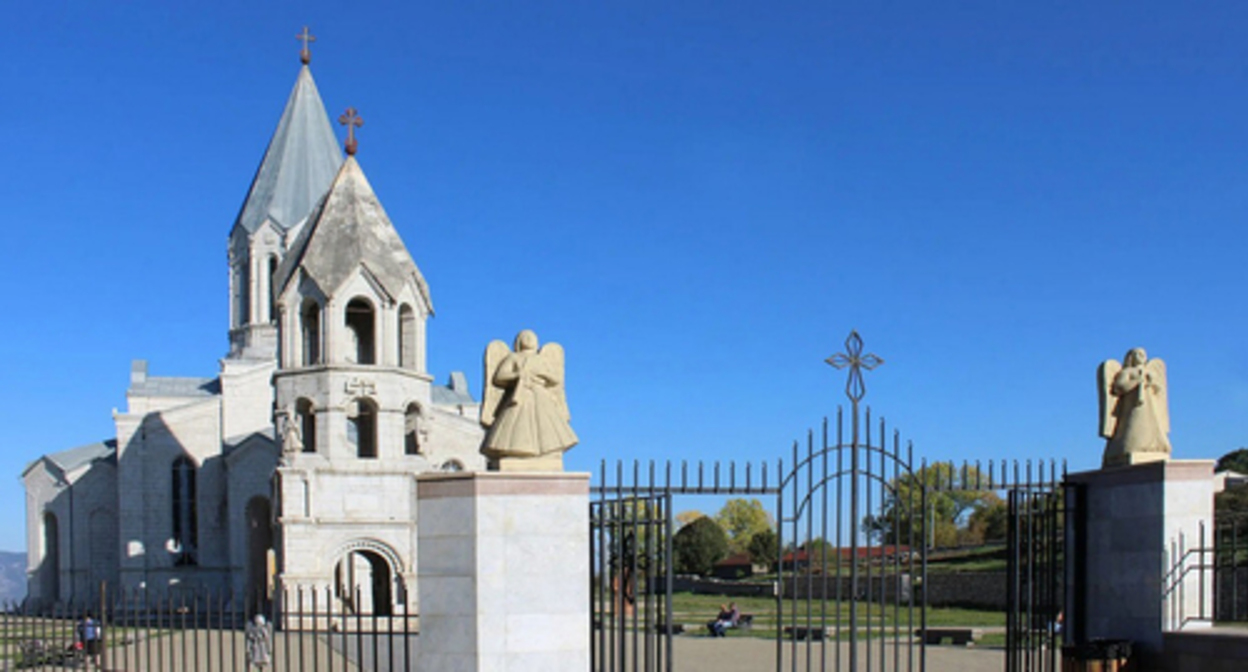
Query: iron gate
{"type": "Point", "coordinates": [1036, 573]}
{"type": "Point", "coordinates": [855, 517]}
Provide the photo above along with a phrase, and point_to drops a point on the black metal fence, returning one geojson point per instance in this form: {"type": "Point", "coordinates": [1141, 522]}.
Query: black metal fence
{"type": "Point", "coordinates": [190, 631]}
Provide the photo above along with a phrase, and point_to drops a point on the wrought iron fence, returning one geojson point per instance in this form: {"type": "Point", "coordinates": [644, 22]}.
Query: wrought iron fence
{"type": "Point", "coordinates": [189, 631]}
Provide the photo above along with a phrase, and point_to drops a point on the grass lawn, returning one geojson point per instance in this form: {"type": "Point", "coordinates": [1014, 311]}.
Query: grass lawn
{"type": "Point", "coordinates": [693, 611]}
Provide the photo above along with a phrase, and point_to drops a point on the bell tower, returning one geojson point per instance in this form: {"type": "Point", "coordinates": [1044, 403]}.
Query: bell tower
{"type": "Point", "coordinates": [357, 412]}
{"type": "Point", "coordinates": [301, 160]}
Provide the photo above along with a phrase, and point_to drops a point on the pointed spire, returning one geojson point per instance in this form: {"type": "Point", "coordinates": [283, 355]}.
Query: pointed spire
{"type": "Point", "coordinates": [299, 164]}
{"type": "Point", "coordinates": [348, 230]}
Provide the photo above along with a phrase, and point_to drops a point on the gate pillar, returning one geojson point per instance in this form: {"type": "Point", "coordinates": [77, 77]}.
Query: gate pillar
{"type": "Point", "coordinates": [1135, 575]}
{"type": "Point", "coordinates": [503, 571]}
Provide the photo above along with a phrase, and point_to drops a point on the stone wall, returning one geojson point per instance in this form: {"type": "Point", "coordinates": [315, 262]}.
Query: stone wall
{"type": "Point", "coordinates": [972, 590]}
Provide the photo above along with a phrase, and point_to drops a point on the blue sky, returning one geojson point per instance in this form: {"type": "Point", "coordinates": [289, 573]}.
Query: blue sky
{"type": "Point", "coordinates": [698, 199]}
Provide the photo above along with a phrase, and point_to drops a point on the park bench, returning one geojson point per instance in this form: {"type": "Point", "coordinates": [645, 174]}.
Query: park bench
{"type": "Point", "coordinates": [801, 632]}
{"type": "Point", "coordinates": [745, 621]}
{"type": "Point", "coordinates": [674, 628]}
{"type": "Point", "coordinates": [956, 636]}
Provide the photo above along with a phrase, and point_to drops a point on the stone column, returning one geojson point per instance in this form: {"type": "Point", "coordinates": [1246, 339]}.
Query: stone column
{"type": "Point", "coordinates": [503, 571]}
{"type": "Point", "coordinates": [1131, 521]}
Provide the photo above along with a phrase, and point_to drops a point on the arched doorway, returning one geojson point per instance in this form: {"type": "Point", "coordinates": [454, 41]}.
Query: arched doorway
{"type": "Point", "coordinates": [50, 571]}
{"type": "Point", "coordinates": [259, 541]}
{"type": "Point", "coordinates": [364, 582]}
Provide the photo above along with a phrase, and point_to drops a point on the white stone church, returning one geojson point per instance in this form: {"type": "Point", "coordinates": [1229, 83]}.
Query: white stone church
{"type": "Point", "coordinates": [296, 463]}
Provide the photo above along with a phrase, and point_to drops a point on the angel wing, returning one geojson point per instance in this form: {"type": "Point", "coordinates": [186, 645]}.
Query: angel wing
{"type": "Point", "coordinates": [552, 357]}
{"type": "Point", "coordinates": [1156, 370]}
{"type": "Point", "coordinates": [495, 352]}
{"type": "Point", "coordinates": [1105, 375]}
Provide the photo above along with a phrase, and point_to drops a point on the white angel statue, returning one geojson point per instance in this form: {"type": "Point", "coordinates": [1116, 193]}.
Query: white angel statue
{"type": "Point", "coordinates": [1135, 414]}
{"type": "Point", "coordinates": [525, 408]}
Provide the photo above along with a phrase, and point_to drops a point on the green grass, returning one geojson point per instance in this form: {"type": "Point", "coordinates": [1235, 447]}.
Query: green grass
{"type": "Point", "coordinates": [693, 611]}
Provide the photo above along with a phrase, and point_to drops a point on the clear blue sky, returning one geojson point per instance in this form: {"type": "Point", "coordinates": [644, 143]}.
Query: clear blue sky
{"type": "Point", "coordinates": [698, 199]}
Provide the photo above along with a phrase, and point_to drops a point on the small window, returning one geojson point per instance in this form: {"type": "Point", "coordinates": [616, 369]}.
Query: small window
{"type": "Point", "coordinates": [360, 332]}
{"type": "Point", "coordinates": [310, 317]}
{"type": "Point", "coordinates": [272, 289]}
{"type": "Point", "coordinates": [452, 465]}
{"type": "Point", "coordinates": [185, 527]}
{"type": "Point", "coordinates": [413, 427]}
{"type": "Point", "coordinates": [362, 428]}
{"type": "Point", "coordinates": [307, 424]}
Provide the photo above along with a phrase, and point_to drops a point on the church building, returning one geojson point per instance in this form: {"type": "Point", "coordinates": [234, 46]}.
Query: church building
{"type": "Point", "coordinates": [300, 456]}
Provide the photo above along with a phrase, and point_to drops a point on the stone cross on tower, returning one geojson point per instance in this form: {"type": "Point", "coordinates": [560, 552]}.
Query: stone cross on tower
{"type": "Point", "coordinates": [853, 358]}
{"type": "Point", "coordinates": [351, 119]}
{"type": "Point", "coordinates": [305, 54]}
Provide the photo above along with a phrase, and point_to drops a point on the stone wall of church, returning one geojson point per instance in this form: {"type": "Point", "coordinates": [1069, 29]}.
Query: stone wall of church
{"type": "Point", "coordinates": [84, 508]}
{"type": "Point", "coordinates": [246, 397]}
{"type": "Point", "coordinates": [148, 448]}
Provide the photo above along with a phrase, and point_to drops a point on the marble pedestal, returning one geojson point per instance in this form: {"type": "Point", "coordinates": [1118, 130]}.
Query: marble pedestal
{"type": "Point", "coordinates": [503, 572]}
{"type": "Point", "coordinates": [1132, 521]}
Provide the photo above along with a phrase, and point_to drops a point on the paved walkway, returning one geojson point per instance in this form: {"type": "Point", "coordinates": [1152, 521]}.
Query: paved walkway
{"type": "Point", "coordinates": [745, 654]}
{"type": "Point", "coordinates": [216, 651]}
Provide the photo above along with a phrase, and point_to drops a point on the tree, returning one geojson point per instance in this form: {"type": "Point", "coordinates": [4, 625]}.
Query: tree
{"type": "Point", "coordinates": [762, 548]}
{"type": "Point", "coordinates": [1233, 501]}
{"type": "Point", "coordinates": [1236, 460]}
{"type": "Point", "coordinates": [988, 522]}
{"type": "Point", "coordinates": [742, 519]}
{"type": "Point", "coordinates": [904, 521]}
{"type": "Point", "coordinates": [685, 517]}
{"type": "Point", "coordinates": [698, 546]}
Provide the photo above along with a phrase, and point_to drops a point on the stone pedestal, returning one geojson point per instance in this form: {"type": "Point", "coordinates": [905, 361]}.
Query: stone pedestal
{"type": "Point", "coordinates": [1128, 533]}
{"type": "Point", "coordinates": [503, 572]}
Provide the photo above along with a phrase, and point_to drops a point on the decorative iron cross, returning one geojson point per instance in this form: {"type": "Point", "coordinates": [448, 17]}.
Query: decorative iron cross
{"type": "Point", "coordinates": [351, 119]}
{"type": "Point", "coordinates": [305, 54]}
{"type": "Point", "coordinates": [853, 358]}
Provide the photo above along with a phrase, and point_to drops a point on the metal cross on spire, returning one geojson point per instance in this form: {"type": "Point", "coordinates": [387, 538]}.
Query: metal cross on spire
{"type": "Point", "coordinates": [351, 119]}
{"type": "Point", "coordinates": [305, 54]}
{"type": "Point", "coordinates": [853, 358]}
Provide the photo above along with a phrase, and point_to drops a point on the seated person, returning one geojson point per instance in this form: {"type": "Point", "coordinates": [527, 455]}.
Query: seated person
{"type": "Point", "coordinates": [727, 618]}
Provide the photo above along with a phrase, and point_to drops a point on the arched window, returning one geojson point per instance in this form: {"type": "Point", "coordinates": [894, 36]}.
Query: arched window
{"type": "Point", "coordinates": [307, 424]}
{"type": "Point", "coordinates": [361, 332]}
{"type": "Point", "coordinates": [272, 289]}
{"type": "Point", "coordinates": [185, 527]}
{"type": "Point", "coordinates": [413, 426]}
{"type": "Point", "coordinates": [242, 294]}
{"type": "Point", "coordinates": [310, 317]}
{"type": "Point", "coordinates": [362, 428]}
{"type": "Point", "coordinates": [407, 337]}
{"type": "Point", "coordinates": [51, 567]}
{"type": "Point", "coordinates": [452, 466]}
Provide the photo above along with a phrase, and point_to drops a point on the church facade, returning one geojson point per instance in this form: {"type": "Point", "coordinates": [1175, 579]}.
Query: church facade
{"type": "Point", "coordinates": [297, 462]}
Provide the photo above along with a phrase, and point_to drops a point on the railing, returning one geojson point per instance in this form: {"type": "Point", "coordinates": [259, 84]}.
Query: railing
{"type": "Point", "coordinates": [1207, 577]}
{"type": "Point", "coordinates": [185, 631]}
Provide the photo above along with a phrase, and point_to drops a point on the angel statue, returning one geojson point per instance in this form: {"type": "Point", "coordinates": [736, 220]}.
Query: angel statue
{"type": "Point", "coordinates": [525, 409]}
{"type": "Point", "coordinates": [1135, 415]}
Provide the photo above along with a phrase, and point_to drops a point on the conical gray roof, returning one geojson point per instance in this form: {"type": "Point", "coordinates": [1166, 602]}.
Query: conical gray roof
{"type": "Point", "coordinates": [301, 160]}
{"type": "Point", "coordinates": [350, 229]}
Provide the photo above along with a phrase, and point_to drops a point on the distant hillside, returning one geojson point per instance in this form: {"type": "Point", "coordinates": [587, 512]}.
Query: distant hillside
{"type": "Point", "coordinates": [12, 576]}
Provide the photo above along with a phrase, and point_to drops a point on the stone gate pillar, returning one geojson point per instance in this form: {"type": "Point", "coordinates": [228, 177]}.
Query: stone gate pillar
{"type": "Point", "coordinates": [1128, 582]}
{"type": "Point", "coordinates": [503, 571]}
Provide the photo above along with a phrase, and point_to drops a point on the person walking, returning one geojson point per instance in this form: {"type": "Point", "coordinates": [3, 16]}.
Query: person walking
{"type": "Point", "coordinates": [91, 637]}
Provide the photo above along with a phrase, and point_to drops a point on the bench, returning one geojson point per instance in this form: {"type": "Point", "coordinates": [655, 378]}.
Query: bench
{"type": "Point", "coordinates": [956, 636]}
{"type": "Point", "coordinates": [673, 628]}
{"type": "Point", "coordinates": [745, 621]}
{"type": "Point", "coordinates": [801, 632]}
